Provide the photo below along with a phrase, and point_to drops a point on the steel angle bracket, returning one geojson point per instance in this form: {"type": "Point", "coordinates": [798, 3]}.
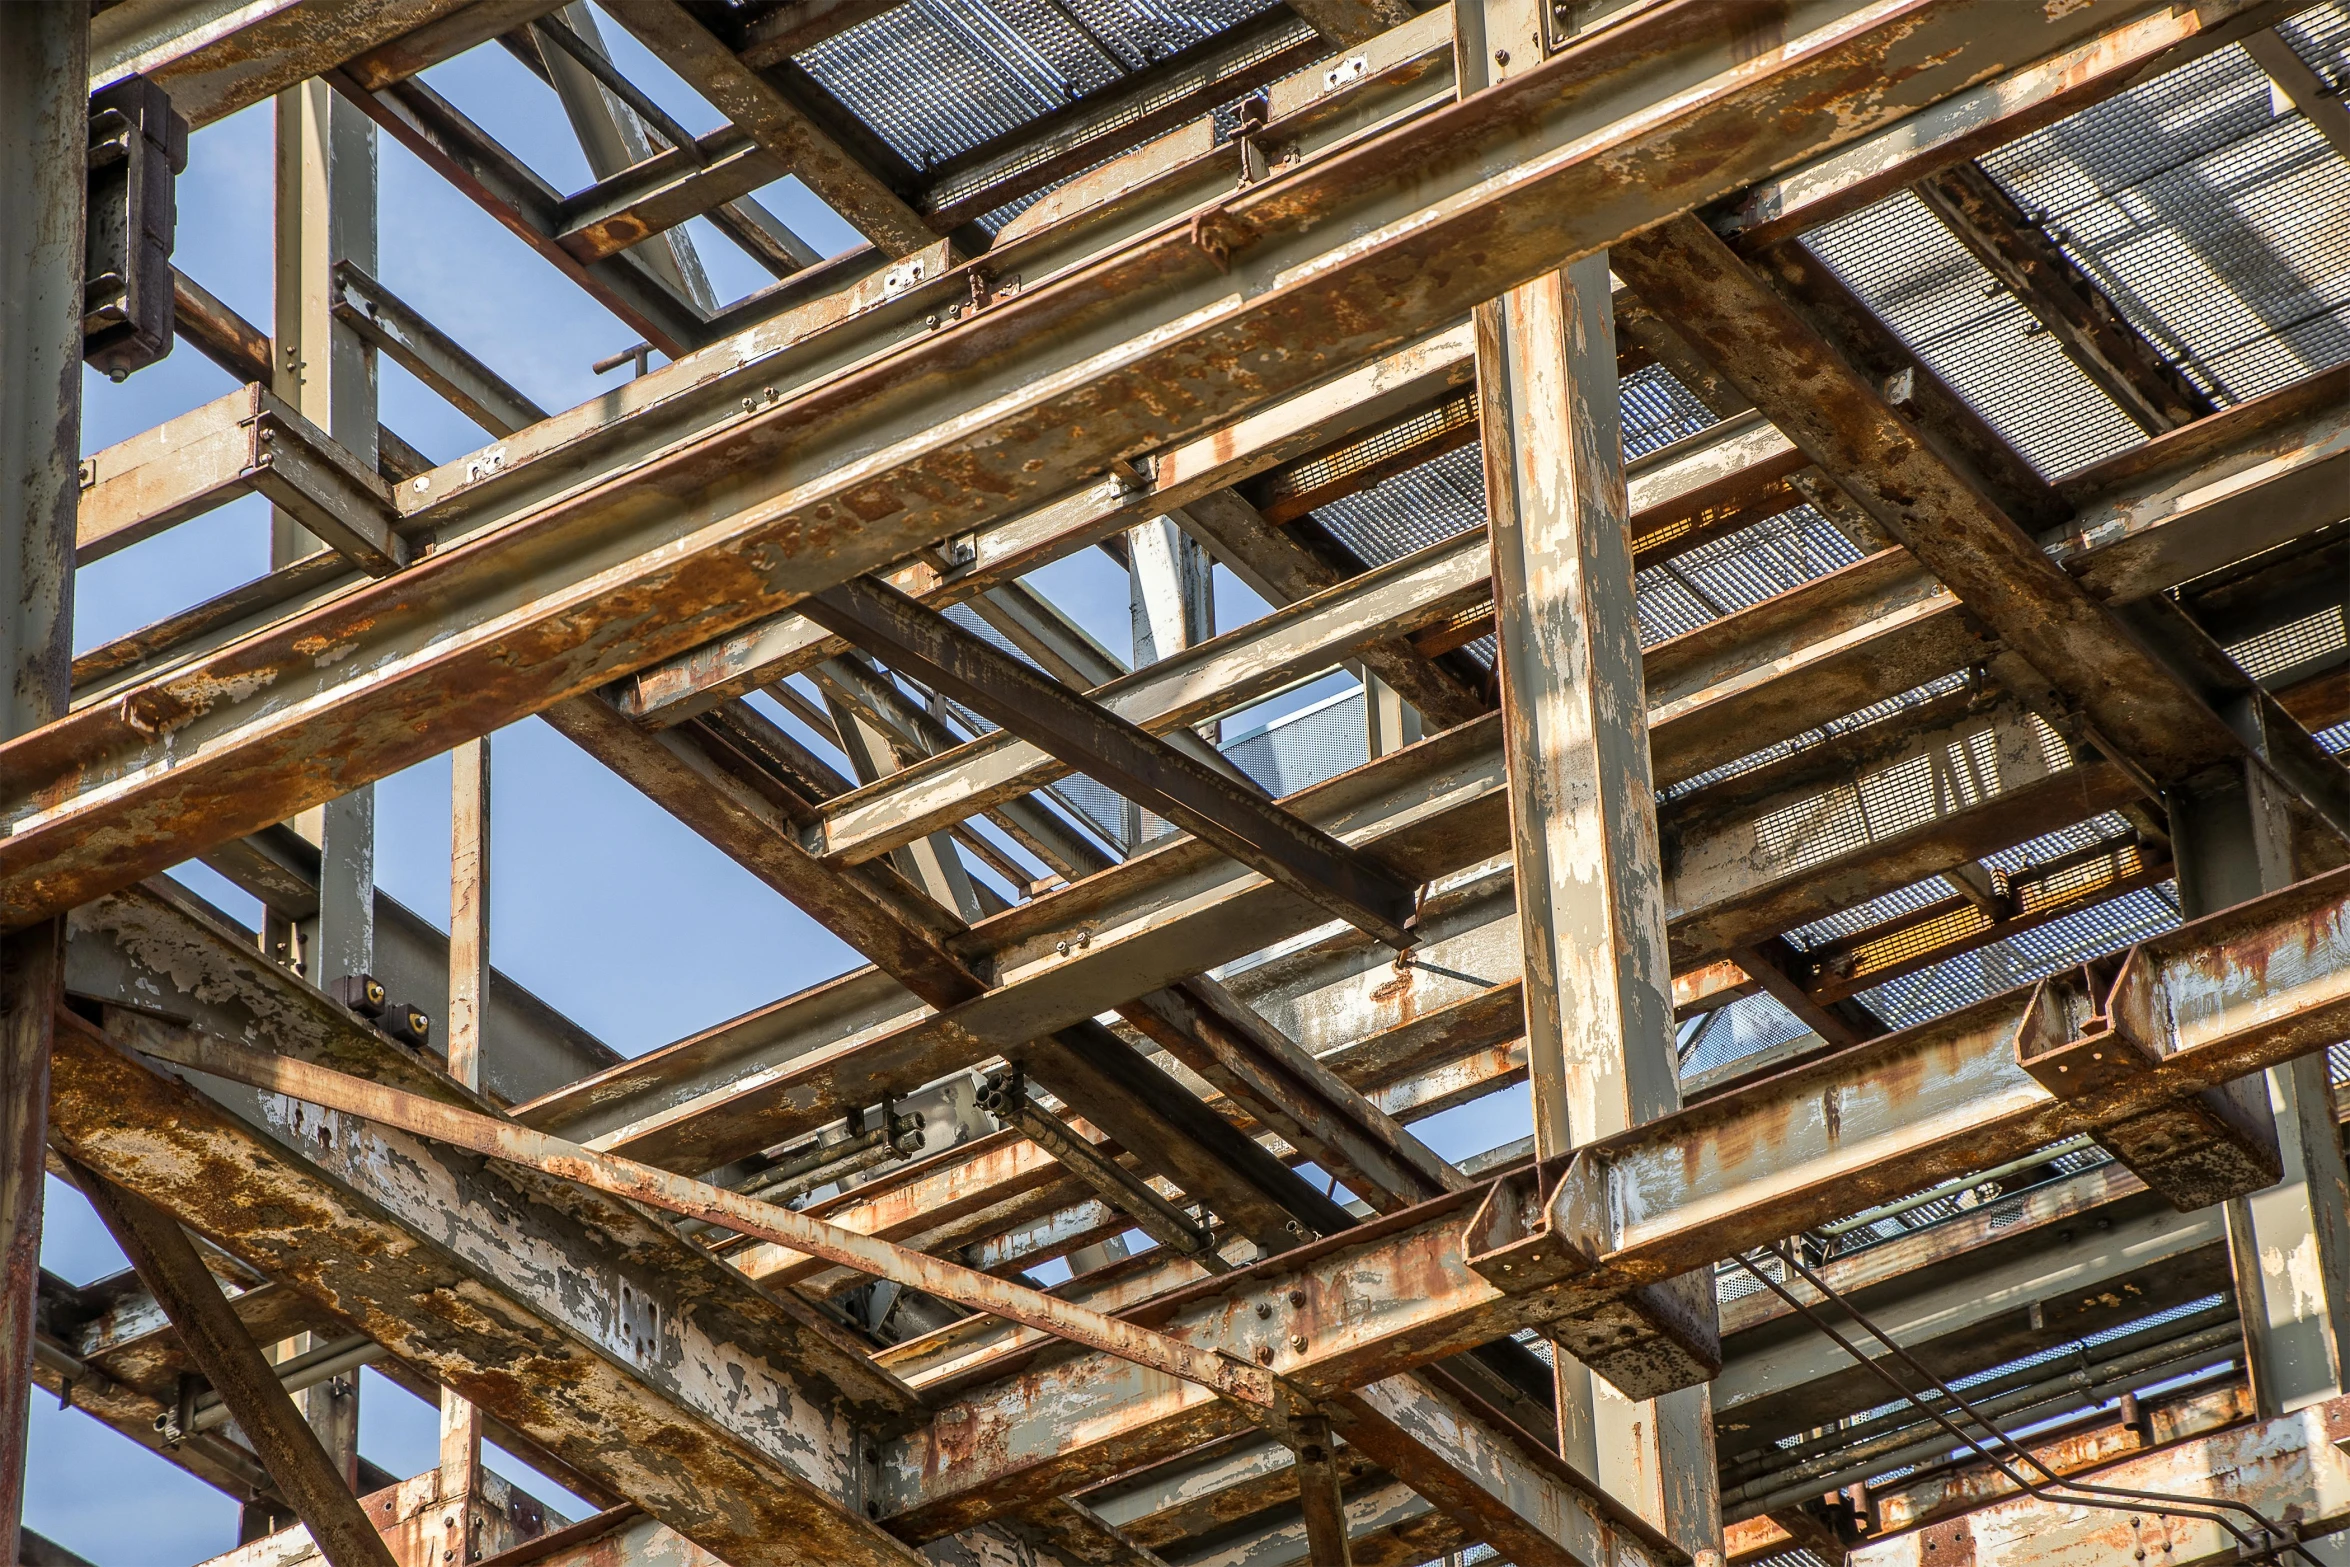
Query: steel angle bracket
{"type": "Point", "coordinates": [1546, 1229]}
{"type": "Point", "coordinates": [2195, 1147]}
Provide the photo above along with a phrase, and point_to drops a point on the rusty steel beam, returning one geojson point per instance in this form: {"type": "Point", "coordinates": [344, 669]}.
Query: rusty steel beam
{"type": "Point", "coordinates": [2031, 264]}
{"type": "Point", "coordinates": [247, 442]}
{"type": "Point", "coordinates": [527, 207]}
{"type": "Point", "coordinates": [844, 1043]}
{"type": "Point", "coordinates": [691, 773]}
{"type": "Point", "coordinates": [664, 191]}
{"type": "Point", "coordinates": [44, 206]}
{"type": "Point", "coordinates": [1283, 569]}
{"type": "Point", "coordinates": [1522, 221]}
{"type": "Point", "coordinates": [218, 56]}
{"type": "Point", "coordinates": [783, 129]}
{"type": "Point", "coordinates": [1178, 88]}
{"type": "Point", "coordinates": [246, 1383]}
{"type": "Point", "coordinates": [2215, 1000]}
{"type": "Point", "coordinates": [2294, 1467]}
{"type": "Point", "coordinates": [2069, 644]}
{"type": "Point", "coordinates": [1974, 122]}
{"type": "Point", "coordinates": [1315, 1110]}
{"type": "Point", "coordinates": [1180, 690]}
{"type": "Point", "coordinates": [431, 355]}
{"type": "Point", "coordinates": [1201, 800]}
{"type": "Point", "coordinates": [626, 1373]}
{"type": "Point", "coordinates": [428, 1117]}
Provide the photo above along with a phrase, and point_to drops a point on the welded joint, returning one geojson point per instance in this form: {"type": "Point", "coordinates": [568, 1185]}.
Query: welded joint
{"type": "Point", "coordinates": [2091, 1048]}
{"type": "Point", "coordinates": [1546, 1231]}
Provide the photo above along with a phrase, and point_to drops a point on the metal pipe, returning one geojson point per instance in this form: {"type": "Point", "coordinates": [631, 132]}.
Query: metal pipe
{"type": "Point", "coordinates": [305, 1370]}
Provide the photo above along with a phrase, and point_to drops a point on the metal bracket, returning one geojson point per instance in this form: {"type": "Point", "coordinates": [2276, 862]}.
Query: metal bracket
{"type": "Point", "coordinates": [1218, 234]}
{"type": "Point", "coordinates": [1550, 1226]}
{"type": "Point", "coordinates": [2195, 1149]}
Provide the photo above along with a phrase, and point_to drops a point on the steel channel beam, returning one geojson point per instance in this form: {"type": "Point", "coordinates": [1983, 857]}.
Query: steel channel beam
{"type": "Point", "coordinates": [217, 56]}
{"type": "Point", "coordinates": [2231, 994]}
{"type": "Point", "coordinates": [530, 209]}
{"type": "Point", "coordinates": [245, 442]}
{"type": "Point", "coordinates": [618, 579]}
{"type": "Point", "coordinates": [581, 1322]}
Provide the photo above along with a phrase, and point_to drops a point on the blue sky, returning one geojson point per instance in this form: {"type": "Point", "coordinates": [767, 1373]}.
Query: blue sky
{"type": "Point", "coordinates": [601, 902]}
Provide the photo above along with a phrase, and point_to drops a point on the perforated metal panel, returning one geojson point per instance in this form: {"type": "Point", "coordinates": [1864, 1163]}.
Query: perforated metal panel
{"type": "Point", "coordinates": [2218, 224]}
{"type": "Point", "coordinates": [934, 78]}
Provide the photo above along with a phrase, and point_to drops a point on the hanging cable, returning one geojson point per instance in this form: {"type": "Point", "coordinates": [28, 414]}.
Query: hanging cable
{"type": "Point", "coordinates": [2146, 1501]}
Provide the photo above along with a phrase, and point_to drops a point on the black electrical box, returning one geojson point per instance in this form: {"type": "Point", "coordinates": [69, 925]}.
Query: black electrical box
{"type": "Point", "coordinates": [137, 145]}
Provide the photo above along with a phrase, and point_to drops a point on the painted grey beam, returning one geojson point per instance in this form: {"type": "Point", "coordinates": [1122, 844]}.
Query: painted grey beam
{"type": "Point", "coordinates": [553, 597]}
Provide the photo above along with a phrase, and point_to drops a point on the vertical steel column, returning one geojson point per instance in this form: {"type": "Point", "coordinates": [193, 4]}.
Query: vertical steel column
{"type": "Point", "coordinates": [1170, 605]}
{"type": "Point", "coordinates": [1590, 877]}
{"type": "Point", "coordinates": [469, 976]}
{"type": "Point", "coordinates": [932, 863]}
{"type": "Point", "coordinates": [44, 157]}
{"type": "Point", "coordinates": [326, 212]}
{"type": "Point", "coordinates": [1389, 722]}
{"type": "Point", "coordinates": [2289, 1245]}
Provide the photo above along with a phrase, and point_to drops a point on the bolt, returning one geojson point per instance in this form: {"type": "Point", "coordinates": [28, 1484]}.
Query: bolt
{"type": "Point", "coordinates": [1298, 1342]}
{"type": "Point", "coordinates": [1264, 1308]}
{"type": "Point", "coordinates": [1297, 1298]}
{"type": "Point", "coordinates": [1501, 57]}
{"type": "Point", "coordinates": [1264, 1354]}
